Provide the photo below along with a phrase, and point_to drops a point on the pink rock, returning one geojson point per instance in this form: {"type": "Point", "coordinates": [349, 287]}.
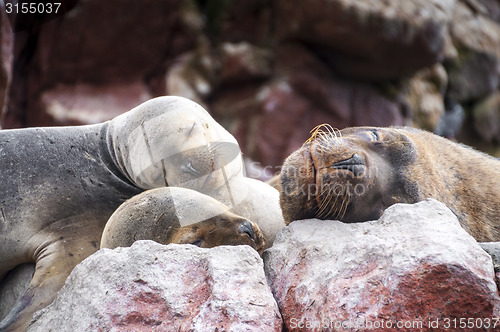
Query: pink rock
{"type": "Point", "coordinates": [242, 62]}
{"type": "Point", "coordinates": [88, 104]}
{"type": "Point", "coordinates": [152, 287]}
{"type": "Point", "coordinates": [415, 265]}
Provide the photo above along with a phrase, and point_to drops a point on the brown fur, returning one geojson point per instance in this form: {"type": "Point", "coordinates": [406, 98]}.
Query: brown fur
{"type": "Point", "coordinates": [154, 215]}
{"type": "Point", "coordinates": [399, 165]}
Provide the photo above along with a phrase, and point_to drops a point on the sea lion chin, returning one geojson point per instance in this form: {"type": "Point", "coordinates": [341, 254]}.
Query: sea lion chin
{"type": "Point", "coordinates": [354, 174]}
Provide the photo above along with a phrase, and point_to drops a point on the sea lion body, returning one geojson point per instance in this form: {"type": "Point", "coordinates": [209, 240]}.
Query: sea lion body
{"type": "Point", "coordinates": [59, 185]}
{"type": "Point", "coordinates": [178, 215]}
{"type": "Point", "coordinates": [57, 194]}
{"type": "Point", "coordinates": [355, 174]}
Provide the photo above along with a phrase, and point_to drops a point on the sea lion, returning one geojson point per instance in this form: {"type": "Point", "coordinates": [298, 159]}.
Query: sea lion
{"type": "Point", "coordinates": [178, 215]}
{"type": "Point", "coordinates": [60, 185]}
{"type": "Point", "coordinates": [256, 201]}
{"type": "Point", "coordinates": [354, 174]}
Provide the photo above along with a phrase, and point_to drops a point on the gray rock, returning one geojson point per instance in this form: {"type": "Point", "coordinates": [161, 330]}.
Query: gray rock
{"type": "Point", "coordinates": [152, 287]}
{"type": "Point", "coordinates": [415, 264]}
{"type": "Point", "coordinates": [493, 248]}
{"type": "Point", "coordinates": [369, 39]}
{"type": "Point", "coordinates": [474, 73]}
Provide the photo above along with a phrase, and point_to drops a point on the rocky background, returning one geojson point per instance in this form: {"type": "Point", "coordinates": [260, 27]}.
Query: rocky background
{"type": "Point", "coordinates": [268, 70]}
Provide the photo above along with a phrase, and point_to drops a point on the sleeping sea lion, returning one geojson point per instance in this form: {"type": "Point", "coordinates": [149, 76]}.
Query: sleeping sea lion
{"type": "Point", "coordinates": [59, 185]}
{"type": "Point", "coordinates": [178, 215]}
{"type": "Point", "coordinates": [354, 174]}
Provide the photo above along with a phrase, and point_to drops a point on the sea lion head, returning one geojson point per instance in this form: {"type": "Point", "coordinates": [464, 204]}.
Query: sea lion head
{"type": "Point", "coordinates": [179, 215]}
{"type": "Point", "coordinates": [172, 141]}
{"type": "Point", "coordinates": [349, 175]}
{"type": "Point", "coordinates": [223, 229]}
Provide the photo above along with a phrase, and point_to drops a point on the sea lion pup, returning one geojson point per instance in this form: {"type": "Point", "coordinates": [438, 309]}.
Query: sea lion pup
{"type": "Point", "coordinates": [256, 201]}
{"type": "Point", "coordinates": [178, 215]}
{"type": "Point", "coordinates": [59, 185]}
{"type": "Point", "coordinates": [355, 174]}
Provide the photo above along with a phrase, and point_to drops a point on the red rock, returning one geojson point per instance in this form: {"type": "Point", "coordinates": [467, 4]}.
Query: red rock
{"type": "Point", "coordinates": [273, 120]}
{"type": "Point", "coordinates": [243, 20]}
{"type": "Point", "coordinates": [6, 57]}
{"type": "Point", "coordinates": [121, 40]}
{"type": "Point", "coordinates": [415, 265]}
{"type": "Point", "coordinates": [242, 62]}
{"type": "Point", "coordinates": [99, 43]}
{"type": "Point", "coordinates": [88, 104]}
{"type": "Point", "coordinates": [152, 287]}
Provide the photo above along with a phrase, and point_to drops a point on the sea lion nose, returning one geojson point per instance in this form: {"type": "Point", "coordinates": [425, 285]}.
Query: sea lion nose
{"type": "Point", "coordinates": [246, 227]}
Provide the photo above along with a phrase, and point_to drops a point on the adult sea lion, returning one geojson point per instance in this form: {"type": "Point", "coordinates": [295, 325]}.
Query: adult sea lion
{"type": "Point", "coordinates": [59, 185]}
{"type": "Point", "coordinates": [355, 174]}
{"type": "Point", "coordinates": [178, 215]}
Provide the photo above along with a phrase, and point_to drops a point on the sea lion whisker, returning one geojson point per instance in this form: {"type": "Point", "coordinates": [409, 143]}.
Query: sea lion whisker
{"type": "Point", "coordinates": [345, 203]}
{"type": "Point", "coordinates": [323, 205]}
{"type": "Point", "coordinates": [326, 203]}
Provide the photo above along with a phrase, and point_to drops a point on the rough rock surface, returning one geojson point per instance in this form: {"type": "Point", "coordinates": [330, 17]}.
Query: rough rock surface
{"type": "Point", "coordinates": [414, 264]}
{"type": "Point", "coordinates": [475, 72]}
{"type": "Point", "coordinates": [6, 56]}
{"type": "Point", "coordinates": [375, 39]}
{"type": "Point", "coordinates": [152, 287]}
{"type": "Point", "coordinates": [88, 104]}
{"type": "Point", "coordinates": [487, 118]}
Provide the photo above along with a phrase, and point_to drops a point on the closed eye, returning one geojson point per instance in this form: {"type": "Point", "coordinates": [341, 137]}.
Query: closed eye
{"type": "Point", "coordinates": [197, 243]}
{"type": "Point", "coordinates": [375, 135]}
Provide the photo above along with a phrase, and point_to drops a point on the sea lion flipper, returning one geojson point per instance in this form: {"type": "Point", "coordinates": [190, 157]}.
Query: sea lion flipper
{"type": "Point", "coordinates": [54, 261]}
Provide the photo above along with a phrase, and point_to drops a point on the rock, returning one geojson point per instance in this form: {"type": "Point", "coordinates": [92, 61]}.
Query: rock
{"type": "Point", "coordinates": [81, 47]}
{"type": "Point", "coordinates": [489, 8]}
{"type": "Point", "coordinates": [191, 76]}
{"type": "Point", "coordinates": [493, 248]}
{"type": "Point", "coordinates": [272, 120]}
{"type": "Point", "coordinates": [414, 265]}
{"type": "Point", "coordinates": [451, 122]}
{"type": "Point", "coordinates": [424, 92]}
{"type": "Point", "coordinates": [99, 43]}
{"type": "Point", "coordinates": [152, 287]}
{"type": "Point", "coordinates": [475, 73]}
{"type": "Point", "coordinates": [88, 104]}
{"type": "Point", "coordinates": [6, 57]}
{"type": "Point", "coordinates": [486, 116]}
{"type": "Point", "coordinates": [243, 62]}
{"type": "Point", "coordinates": [375, 40]}
{"type": "Point", "coordinates": [245, 20]}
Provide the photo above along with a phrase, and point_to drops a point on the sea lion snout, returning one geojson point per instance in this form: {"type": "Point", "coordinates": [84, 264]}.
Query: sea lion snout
{"type": "Point", "coordinates": [246, 227]}
{"type": "Point", "coordinates": [355, 164]}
